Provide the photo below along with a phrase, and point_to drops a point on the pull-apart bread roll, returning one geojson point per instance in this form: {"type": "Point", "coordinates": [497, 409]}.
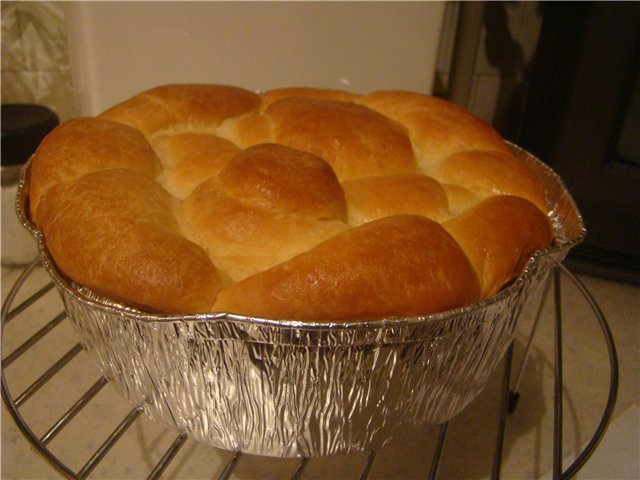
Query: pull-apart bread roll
{"type": "Point", "coordinates": [297, 203]}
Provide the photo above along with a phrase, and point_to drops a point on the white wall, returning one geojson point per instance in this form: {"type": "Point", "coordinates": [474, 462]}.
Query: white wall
{"type": "Point", "coordinates": [121, 48]}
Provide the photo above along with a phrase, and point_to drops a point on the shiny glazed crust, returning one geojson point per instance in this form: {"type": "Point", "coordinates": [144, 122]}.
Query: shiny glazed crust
{"type": "Point", "coordinates": [298, 203]}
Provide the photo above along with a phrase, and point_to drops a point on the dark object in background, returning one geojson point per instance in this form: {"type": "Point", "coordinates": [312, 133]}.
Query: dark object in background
{"type": "Point", "coordinates": [578, 118]}
{"type": "Point", "coordinates": [23, 128]}
{"type": "Point", "coordinates": [507, 55]}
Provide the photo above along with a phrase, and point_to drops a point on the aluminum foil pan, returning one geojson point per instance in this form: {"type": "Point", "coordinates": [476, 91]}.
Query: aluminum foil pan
{"type": "Point", "coordinates": [286, 388]}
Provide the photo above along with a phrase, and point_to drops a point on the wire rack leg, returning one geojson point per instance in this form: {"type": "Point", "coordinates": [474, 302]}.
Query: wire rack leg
{"type": "Point", "coordinates": [502, 419]}
{"type": "Point", "coordinates": [557, 403]}
{"type": "Point", "coordinates": [514, 394]}
{"type": "Point", "coordinates": [367, 468]}
{"type": "Point", "coordinates": [231, 465]}
{"type": "Point", "coordinates": [437, 451]}
{"type": "Point", "coordinates": [300, 468]}
{"type": "Point", "coordinates": [167, 457]}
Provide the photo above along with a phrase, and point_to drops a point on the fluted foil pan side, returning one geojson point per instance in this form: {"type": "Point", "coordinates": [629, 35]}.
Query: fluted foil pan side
{"type": "Point", "coordinates": [287, 388]}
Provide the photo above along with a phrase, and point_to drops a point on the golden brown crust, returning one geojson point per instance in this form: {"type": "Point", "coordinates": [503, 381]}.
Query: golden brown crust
{"type": "Point", "coordinates": [199, 106]}
{"type": "Point", "coordinates": [86, 145]}
{"type": "Point", "coordinates": [273, 96]}
{"type": "Point", "coordinates": [356, 141]}
{"type": "Point", "coordinates": [115, 232]}
{"type": "Point", "coordinates": [437, 128]}
{"type": "Point", "coordinates": [392, 266]}
{"type": "Point", "coordinates": [247, 130]}
{"type": "Point", "coordinates": [489, 173]}
{"type": "Point", "coordinates": [190, 159]}
{"type": "Point", "coordinates": [273, 176]}
{"type": "Point", "coordinates": [378, 197]}
{"type": "Point", "coordinates": [498, 236]}
{"type": "Point", "coordinates": [249, 218]}
{"type": "Point", "coordinates": [300, 202]}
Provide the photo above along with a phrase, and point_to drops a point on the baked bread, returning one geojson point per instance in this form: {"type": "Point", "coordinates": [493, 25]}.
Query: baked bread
{"type": "Point", "coordinates": [297, 203]}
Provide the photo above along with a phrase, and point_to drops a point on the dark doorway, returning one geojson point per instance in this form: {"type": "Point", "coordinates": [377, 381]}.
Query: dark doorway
{"type": "Point", "coordinates": [582, 117]}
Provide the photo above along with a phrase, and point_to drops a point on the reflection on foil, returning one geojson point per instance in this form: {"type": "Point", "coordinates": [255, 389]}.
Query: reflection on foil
{"type": "Point", "coordinates": [289, 388]}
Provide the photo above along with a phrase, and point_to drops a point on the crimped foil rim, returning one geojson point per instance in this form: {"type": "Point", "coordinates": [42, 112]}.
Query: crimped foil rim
{"type": "Point", "coordinates": [84, 295]}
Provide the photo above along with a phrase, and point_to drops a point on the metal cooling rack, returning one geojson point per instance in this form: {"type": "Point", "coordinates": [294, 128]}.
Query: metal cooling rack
{"type": "Point", "coordinates": [509, 393]}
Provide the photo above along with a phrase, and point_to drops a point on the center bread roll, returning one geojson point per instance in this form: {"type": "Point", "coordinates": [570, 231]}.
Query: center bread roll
{"type": "Point", "coordinates": [297, 203]}
{"type": "Point", "coordinates": [268, 204]}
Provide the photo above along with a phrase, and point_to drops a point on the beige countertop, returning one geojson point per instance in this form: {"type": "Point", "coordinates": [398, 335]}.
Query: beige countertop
{"type": "Point", "coordinates": [470, 439]}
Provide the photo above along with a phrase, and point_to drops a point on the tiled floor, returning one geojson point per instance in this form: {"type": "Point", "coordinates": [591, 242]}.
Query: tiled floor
{"type": "Point", "coordinates": [471, 436]}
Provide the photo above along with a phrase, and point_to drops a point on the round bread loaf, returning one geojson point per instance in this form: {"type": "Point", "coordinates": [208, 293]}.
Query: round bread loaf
{"type": "Point", "coordinates": [297, 203]}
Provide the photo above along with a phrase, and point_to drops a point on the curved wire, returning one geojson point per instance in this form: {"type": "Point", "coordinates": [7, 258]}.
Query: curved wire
{"type": "Point", "coordinates": [613, 372]}
{"type": "Point", "coordinates": [6, 395]}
